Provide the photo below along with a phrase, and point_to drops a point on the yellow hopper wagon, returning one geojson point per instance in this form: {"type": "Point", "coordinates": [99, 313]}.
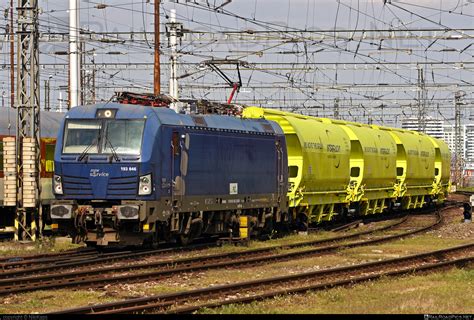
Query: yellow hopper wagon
{"type": "Point", "coordinates": [338, 167]}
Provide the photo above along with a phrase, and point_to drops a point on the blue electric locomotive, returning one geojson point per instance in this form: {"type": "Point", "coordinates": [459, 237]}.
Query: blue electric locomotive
{"type": "Point", "coordinates": [131, 174]}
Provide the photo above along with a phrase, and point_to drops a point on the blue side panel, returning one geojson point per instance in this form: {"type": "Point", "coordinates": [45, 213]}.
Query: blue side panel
{"type": "Point", "coordinates": [217, 160]}
{"type": "Point", "coordinates": [223, 150]}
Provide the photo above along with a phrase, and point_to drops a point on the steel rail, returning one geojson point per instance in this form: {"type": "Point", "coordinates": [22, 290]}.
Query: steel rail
{"type": "Point", "coordinates": [112, 257]}
{"type": "Point", "coordinates": [465, 193]}
{"type": "Point", "coordinates": [168, 300]}
{"type": "Point", "coordinates": [347, 226]}
{"type": "Point", "coordinates": [9, 266]}
{"type": "Point", "coordinates": [43, 269]}
{"type": "Point", "coordinates": [170, 268]}
{"type": "Point", "coordinates": [19, 259]}
{"type": "Point", "coordinates": [327, 285]}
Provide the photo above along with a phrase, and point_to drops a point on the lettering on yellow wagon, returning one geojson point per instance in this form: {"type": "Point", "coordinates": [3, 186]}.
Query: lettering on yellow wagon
{"type": "Point", "coordinates": [371, 150]}
{"type": "Point", "coordinates": [333, 148]}
{"type": "Point", "coordinates": [313, 145]}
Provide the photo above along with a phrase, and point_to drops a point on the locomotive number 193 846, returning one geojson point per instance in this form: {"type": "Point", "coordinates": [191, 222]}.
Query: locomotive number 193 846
{"type": "Point", "coordinates": [128, 168]}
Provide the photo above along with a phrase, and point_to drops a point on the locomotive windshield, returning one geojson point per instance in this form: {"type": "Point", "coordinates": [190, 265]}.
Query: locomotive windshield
{"type": "Point", "coordinates": [123, 136]}
{"type": "Point", "coordinates": [80, 135]}
{"type": "Point", "coordinates": [103, 136]}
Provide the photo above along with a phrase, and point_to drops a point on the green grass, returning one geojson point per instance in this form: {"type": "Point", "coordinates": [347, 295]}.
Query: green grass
{"type": "Point", "coordinates": [48, 301]}
{"type": "Point", "coordinates": [290, 239]}
{"type": "Point", "coordinates": [402, 247]}
{"type": "Point", "coordinates": [444, 292]}
{"type": "Point", "coordinates": [46, 245]}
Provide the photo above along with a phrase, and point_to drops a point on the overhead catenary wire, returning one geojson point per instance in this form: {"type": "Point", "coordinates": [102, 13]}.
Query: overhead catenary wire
{"type": "Point", "coordinates": [300, 48]}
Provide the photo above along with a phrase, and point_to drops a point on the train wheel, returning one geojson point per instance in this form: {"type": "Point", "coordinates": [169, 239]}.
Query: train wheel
{"type": "Point", "coordinates": [344, 214]}
{"type": "Point", "coordinates": [302, 222]}
{"type": "Point", "coordinates": [194, 232]}
{"type": "Point", "coordinates": [152, 241]}
{"type": "Point", "coordinates": [266, 232]}
{"type": "Point", "coordinates": [185, 239]}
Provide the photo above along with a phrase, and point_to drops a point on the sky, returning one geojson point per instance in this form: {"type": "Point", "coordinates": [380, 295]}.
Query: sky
{"type": "Point", "coordinates": [379, 62]}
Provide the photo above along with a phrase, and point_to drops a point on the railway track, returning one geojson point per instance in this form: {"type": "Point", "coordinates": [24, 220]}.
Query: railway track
{"type": "Point", "coordinates": [347, 226]}
{"type": "Point", "coordinates": [32, 264]}
{"type": "Point", "coordinates": [167, 268]}
{"type": "Point", "coordinates": [50, 264]}
{"type": "Point", "coordinates": [98, 259]}
{"type": "Point", "coordinates": [90, 256]}
{"type": "Point", "coordinates": [40, 263]}
{"type": "Point", "coordinates": [51, 260]}
{"type": "Point", "coordinates": [86, 257]}
{"type": "Point", "coordinates": [465, 193]}
{"type": "Point", "coordinates": [18, 261]}
{"type": "Point", "coordinates": [193, 300]}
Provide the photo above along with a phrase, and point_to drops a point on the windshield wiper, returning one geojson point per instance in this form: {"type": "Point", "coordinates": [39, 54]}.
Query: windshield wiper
{"type": "Point", "coordinates": [85, 152]}
{"type": "Point", "coordinates": [114, 153]}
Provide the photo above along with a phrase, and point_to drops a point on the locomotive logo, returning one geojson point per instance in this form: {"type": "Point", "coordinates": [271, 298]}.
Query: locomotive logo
{"type": "Point", "coordinates": [98, 173]}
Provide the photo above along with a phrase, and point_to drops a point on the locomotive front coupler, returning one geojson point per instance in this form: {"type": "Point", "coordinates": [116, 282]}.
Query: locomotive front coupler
{"type": "Point", "coordinates": [99, 226]}
{"type": "Point", "coordinates": [80, 219]}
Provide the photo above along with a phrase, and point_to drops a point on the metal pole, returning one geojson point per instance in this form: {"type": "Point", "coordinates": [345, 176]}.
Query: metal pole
{"type": "Point", "coordinates": [47, 106]}
{"type": "Point", "coordinates": [74, 63]}
{"type": "Point", "coordinates": [173, 58]}
{"type": "Point", "coordinates": [12, 58]}
{"type": "Point", "coordinates": [336, 108]}
{"type": "Point", "coordinates": [156, 70]}
{"type": "Point", "coordinates": [82, 73]}
{"type": "Point", "coordinates": [93, 85]}
{"type": "Point", "coordinates": [457, 138]}
{"type": "Point", "coordinates": [60, 101]}
{"type": "Point", "coordinates": [174, 33]}
{"type": "Point", "coordinates": [88, 80]}
{"type": "Point", "coordinates": [421, 101]}
{"type": "Point", "coordinates": [28, 123]}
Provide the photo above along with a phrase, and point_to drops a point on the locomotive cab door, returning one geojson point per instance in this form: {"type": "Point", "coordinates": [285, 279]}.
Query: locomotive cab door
{"type": "Point", "coordinates": [178, 166]}
{"type": "Point", "coordinates": [281, 183]}
{"type": "Point", "coordinates": [172, 179]}
{"type": "Point", "coordinates": [170, 162]}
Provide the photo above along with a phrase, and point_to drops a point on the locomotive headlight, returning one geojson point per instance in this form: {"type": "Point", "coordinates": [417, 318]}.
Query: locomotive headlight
{"type": "Point", "coordinates": [57, 184]}
{"type": "Point", "coordinates": [144, 187]}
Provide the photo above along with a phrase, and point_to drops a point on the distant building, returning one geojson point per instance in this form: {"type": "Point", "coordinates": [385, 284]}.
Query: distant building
{"type": "Point", "coordinates": [467, 149]}
{"type": "Point", "coordinates": [449, 138]}
{"type": "Point", "coordinates": [432, 127]}
{"type": "Point", "coordinates": [468, 172]}
{"type": "Point", "coordinates": [438, 129]}
{"type": "Point", "coordinates": [468, 144]}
